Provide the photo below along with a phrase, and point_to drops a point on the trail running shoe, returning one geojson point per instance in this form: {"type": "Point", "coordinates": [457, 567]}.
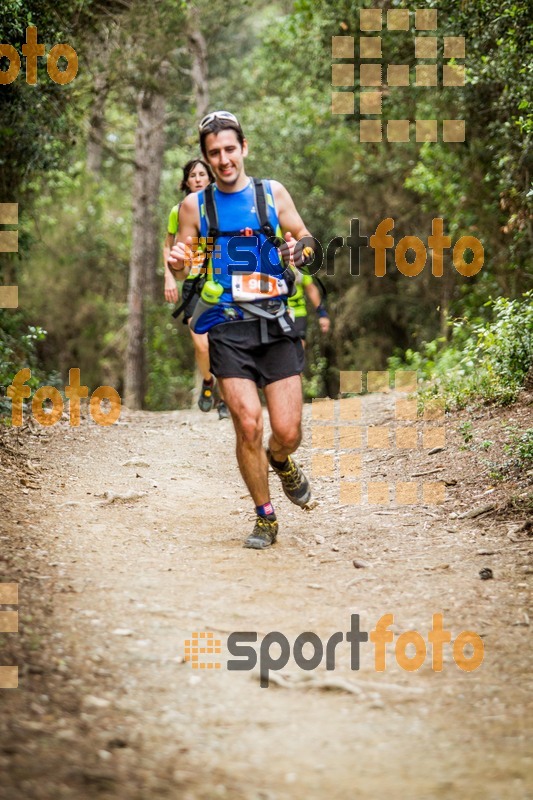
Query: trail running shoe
{"type": "Point", "coordinates": [223, 411]}
{"type": "Point", "coordinates": [207, 398]}
{"type": "Point", "coordinates": [294, 483]}
{"type": "Point", "coordinates": [264, 533]}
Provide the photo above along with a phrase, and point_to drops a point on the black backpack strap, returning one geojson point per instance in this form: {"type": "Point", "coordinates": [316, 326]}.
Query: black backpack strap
{"type": "Point", "coordinates": [211, 215]}
{"type": "Point", "coordinates": [322, 288]}
{"type": "Point", "coordinates": [177, 311]}
{"type": "Point", "coordinates": [195, 288]}
{"type": "Point", "coordinates": [262, 208]}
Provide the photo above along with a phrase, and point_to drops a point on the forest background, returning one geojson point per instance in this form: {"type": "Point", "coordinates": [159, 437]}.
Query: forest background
{"type": "Point", "coordinates": [95, 166]}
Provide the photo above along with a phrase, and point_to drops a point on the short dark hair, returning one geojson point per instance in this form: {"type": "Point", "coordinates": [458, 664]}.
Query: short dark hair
{"type": "Point", "coordinates": [188, 168]}
{"type": "Point", "coordinates": [218, 125]}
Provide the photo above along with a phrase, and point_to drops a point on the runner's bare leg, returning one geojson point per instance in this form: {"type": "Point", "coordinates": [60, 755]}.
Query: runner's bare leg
{"type": "Point", "coordinates": [201, 353]}
{"type": "Point", "coordinates": [284, 402]}
{"type": "Point", "coordinates": [242, 399]}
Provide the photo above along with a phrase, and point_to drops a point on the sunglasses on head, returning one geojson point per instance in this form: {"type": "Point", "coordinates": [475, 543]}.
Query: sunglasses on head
{"type": "Point", "coordinates": [209, 118]}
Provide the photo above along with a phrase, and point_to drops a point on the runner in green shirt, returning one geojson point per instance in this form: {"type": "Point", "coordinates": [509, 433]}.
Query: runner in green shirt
{"type": "Point", "coordinates": [306, 288]}
{"type": "Point", "coordinates": [196, 176]}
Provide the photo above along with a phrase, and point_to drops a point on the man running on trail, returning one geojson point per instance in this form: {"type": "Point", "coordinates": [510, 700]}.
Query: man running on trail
{"type": "Point", "coordinates": [252, 340]}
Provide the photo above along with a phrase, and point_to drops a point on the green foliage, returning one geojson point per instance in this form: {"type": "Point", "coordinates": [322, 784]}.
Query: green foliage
{"type": "Point", "coordinates": [313, 379]}
{"type": "Point", "coordinates": [484, 187]}
{"type": "Point", "coordinates": [519, 451]}
{"type": "Point", "coordinates": [19, 349]}
{"type": "Point", "coordinates": [520, 448]}
{"type": "Point", "coordinates": [76, 279]}
{"type": "Point", "coordinates": [169, 348]}
{"type": "Point", "coordinates": [33, 128]}
{"type": "Point", "coordinates": [38, 133]}
{"type": "Point", "coordinates": [272, 66]}
{"type": "Point", "coordinates": [484, 361]}
{"type": "Point", "coordinates": [465, 429]}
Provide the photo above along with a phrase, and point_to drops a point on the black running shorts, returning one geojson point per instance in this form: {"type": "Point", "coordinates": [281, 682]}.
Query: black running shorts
{"type": "Point", "coordinates": [235, 351]}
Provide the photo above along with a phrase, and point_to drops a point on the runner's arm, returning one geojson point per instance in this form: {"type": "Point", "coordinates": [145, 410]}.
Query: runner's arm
{"type": "Point", "coordinates": [171, 291]}
{"type": "Point", "coordinates": [313, 295]}
{"type": "Point", "coordinates": [323, 317]}
{"type": "Point", "coordinates": [182, 255]}
{"type": "Point", "coordinates": [288, 216]}
{"type": "Point", "coordinates": [293, 227]}
{"type": "Point", "coordinates": [169, 241]}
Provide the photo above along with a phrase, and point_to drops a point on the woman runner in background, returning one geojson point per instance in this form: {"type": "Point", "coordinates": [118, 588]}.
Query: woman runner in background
{"type": "Point", "coordinates": [196, 176]}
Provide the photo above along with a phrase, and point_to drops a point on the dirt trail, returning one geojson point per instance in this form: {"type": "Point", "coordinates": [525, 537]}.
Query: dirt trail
{"type": "Point", "coordinates": [129, 581]}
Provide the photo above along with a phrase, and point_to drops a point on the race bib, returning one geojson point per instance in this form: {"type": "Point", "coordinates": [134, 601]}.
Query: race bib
{"type": "Point", "coordinates": [257, 286]}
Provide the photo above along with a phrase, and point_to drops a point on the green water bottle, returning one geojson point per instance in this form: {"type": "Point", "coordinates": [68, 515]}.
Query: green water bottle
{"type": "Point", "coordinates": [211, 292]}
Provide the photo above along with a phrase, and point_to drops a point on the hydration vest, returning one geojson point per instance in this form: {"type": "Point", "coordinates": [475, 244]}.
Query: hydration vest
{"type": "Point", "coordinates": [227, 308]}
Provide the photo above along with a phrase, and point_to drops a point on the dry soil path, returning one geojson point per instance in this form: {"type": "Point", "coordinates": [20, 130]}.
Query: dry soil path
{"type": "Point", "coordinates": [132, 579]}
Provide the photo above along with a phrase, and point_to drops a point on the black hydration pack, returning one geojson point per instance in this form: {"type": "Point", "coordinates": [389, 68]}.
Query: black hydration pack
{"type": "Point", "coordinates": [213, 233]}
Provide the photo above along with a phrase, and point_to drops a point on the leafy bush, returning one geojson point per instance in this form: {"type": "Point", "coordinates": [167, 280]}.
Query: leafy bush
{"type": "Point", "coordinates": [18, 350]}
{"type": "Point", "coordinates": [168, 347]}
{"type": "Point", "coordinates": [520, 448]}
{"type": "Point", "coordinates": [486, 361]}
{"type": "Point", "coordinates": [519, 451]}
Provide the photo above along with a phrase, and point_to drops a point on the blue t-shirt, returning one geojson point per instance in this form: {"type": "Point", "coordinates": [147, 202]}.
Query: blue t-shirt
{"type": "Point", "coordinates": [237, 253]}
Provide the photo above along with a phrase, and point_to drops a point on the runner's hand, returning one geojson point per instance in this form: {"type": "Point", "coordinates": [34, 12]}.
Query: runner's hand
{"type": "Point", "coordinates": [286, 250]}
{"type": "Point", "coordinates": [186, 253]}
{"type": "Point", "coordinates": [325, 324]}
{"type": "Point", "coordinates": [171, 288]}
{"type": "Point", "coordinates": [295, 257]}
{"type": "Point", "coordinates": [303, 256]}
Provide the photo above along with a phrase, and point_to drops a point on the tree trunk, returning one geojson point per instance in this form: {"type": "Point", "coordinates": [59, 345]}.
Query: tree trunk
{"type": "Point", "coordinates": [97, 124]}
{"type": "Point", "coordinates": [447, 281]}
{"type": "Point", "coordinates": [198, 53]}
{"type": "Point", "coordinates": [149, 149]}
{"type": "Point", "coordinates": [101, 51]}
